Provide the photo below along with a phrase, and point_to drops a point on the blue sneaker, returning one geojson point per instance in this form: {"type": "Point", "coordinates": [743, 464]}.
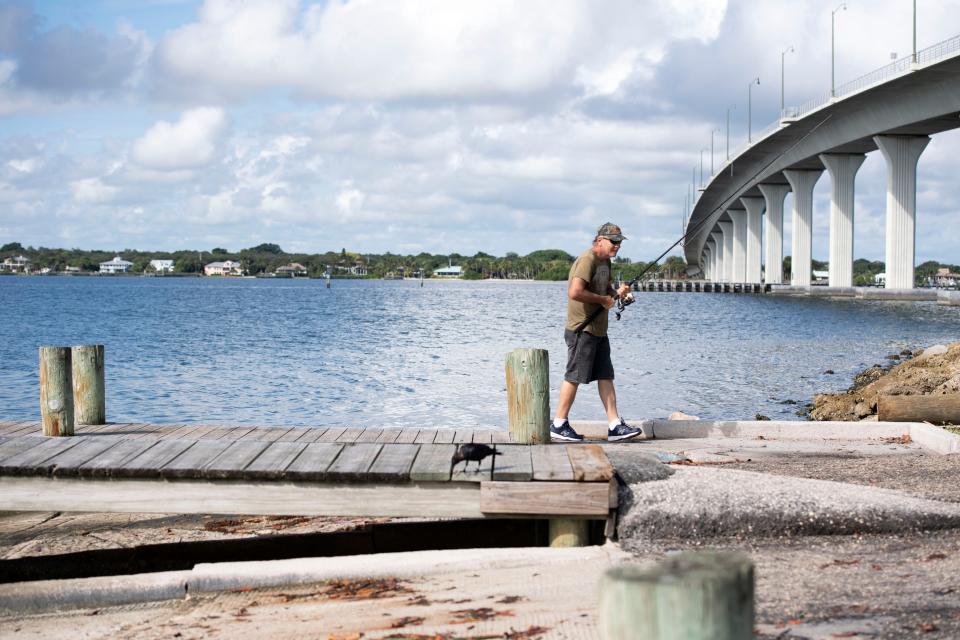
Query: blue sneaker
{"type": "Point", "coordinates": [623, 431]}
{"type": "Point", "coordinates": [564, 432]}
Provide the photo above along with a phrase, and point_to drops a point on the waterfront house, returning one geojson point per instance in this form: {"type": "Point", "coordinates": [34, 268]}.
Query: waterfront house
{"type": "Point", "coordinates": [20, 264]}
{"type": "Point", "coordinates": [116, 265]}
{"type": "Point", "coordinates": [294, 270]}
{"type": "Point", "coordinates": [162, 266]}
{"type": "Point", "coordinates": [227, 268]}
{"type": "Point", "coordinates": [821, 277]}
{"type": "Point", "coordinates": [944, 278]}
{"type": "Point", "coordinates": [880, 280]}
{"type": "Point", "coordinates": [359, 269]}
{"type": "Point", "coordinates": [69, 269]}
{"type": "Point", "coordinates": [452, 271]}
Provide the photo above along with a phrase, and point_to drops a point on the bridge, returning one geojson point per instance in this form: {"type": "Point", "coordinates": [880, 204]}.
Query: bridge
{"type": "Point", "coordinates": [894, 109]}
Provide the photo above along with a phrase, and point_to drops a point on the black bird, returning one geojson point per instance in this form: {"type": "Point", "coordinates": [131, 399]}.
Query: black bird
{"type": "Point", "coordinates": [468, 452]}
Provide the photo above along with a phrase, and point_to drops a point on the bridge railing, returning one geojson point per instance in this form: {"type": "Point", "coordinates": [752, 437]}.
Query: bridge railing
{"type": "Point", "coordinates": [896, 68]}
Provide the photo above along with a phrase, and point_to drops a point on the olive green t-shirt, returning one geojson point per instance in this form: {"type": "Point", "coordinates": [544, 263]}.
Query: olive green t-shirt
{"type": "Point", "coordinates": [596, 273]}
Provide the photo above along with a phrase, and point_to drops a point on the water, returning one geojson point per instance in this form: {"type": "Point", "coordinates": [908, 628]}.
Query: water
{"type": "Point", "coordinates": [390, 353]}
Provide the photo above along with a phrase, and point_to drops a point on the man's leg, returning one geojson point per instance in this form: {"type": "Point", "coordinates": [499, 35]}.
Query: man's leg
{"type": "Point", "coordinates": [608, 396]}
{"type": "Point", "coordinates": [568, 393]}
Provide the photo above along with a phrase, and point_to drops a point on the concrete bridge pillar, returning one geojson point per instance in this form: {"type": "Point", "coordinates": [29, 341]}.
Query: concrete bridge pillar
{"type": "Point", "coordinates": [802, 183]}
{"type": "Point", "coordinates": [739, 218]}
{"type": "Point", "coordinates": [705, 263]}
{"type": "Point", "coordinates": [726, 228]}
{"type": "Point", "coordinates": [843, 171]}
{"type": "Point", "coordinates": [901, 154]}
{"type": "Point", "coordinates": [716, 270]}
{"type": "Point", "coordinates": [773, 195]}
{"type": "Point", "coordinates": [754, 207]}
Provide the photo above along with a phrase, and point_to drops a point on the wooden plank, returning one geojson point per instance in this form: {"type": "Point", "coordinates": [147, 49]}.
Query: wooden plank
{"type": "Point", "coordinates": [936, 409]}
{"type": "Point", "coordinates": [17, 445]}
{"type": "Point", "coordinates": [426, 436]}
{"type": "Point", "coordinates": [500, 437]}
{"type": "Point", "coordinates": [432, 463]}
{"type": "Point", "coordinates": [174, 431]}
{"type": "Point", "coordinates": [331, 435]}
{"type": "Point", "coordinates": [369, 435]}
{"type": "Point", "coordinates": [27, 461]}
{"type": "Point", "coordinates": [352, 463]}
{"type": "Point", "coordinates": [145, 430]}
{"type": "Point", "coordinates": [216, 433]}
{"type": "Point", "coordinates": [94, 429]}
{"type": "Point", "coordinates": [388, 436]}
{"type": "Point", "coordinates": [199, 431]}
{"type": "Point", "coordinates": [149, 463]}
{"type": "Point", "coordinates": [589, 462]}
{"type": "Point", "coordinates": [13, 428]}
{"type": "Point", "coordinates": [68, 462]}
{"type": "Point", "coordinates": [407, 436]}
{"type": "Point", "coordinates": [461, 436]}
{"type": "Point", "coordinates": [444, 436]}
{"type": "Point", "coordinates": [313, 461]}
{"type": "Point", "coordinates": [274, 460]}
{"type": "Point", "coordinates": [26, 428]}
{"type": "Point", "coordinates": [349, 435]}
{"type": "Point", "coordinates": [135, 495]}
{"type": "Point", "coordinates": [105, 463]}
{"type": "Point", "coordinates": [189, 463]}
{"type": "Point", "coordinates": [393, 463]}
{"type": "Point", "coordinates": [232, 462]}
{"type": "Point", "coordinates": [483, 436]}
{"type": "Point", "coordinates": [545, 498]}
{"type": "Point", "coordinates": [513, 462]}
{"type": "Point", "coordinates": [312, 434]}
{"type": "Point", "coordinates": [293, 434]}
{"type": "Point", "coordinates": [551, 463]}
{"type": "Point", "coordinates": [235, 433]}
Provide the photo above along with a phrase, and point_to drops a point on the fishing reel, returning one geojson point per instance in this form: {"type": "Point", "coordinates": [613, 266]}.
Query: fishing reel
{"type": "Point", "coordinates": [622, 303]}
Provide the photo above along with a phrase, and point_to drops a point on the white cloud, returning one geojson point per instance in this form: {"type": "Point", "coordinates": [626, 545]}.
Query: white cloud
{"type": "Point", "coordinates": [189, 143]}
{"type": "Point", "coordinates": [92, 191]}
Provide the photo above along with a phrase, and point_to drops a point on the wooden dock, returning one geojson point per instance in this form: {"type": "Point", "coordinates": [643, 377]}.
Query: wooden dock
{"type": "Point", "coordinates": [149, 468]}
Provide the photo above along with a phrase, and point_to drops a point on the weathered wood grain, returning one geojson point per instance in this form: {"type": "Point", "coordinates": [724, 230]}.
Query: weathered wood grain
{"type": "Point", "coordinates": [88, 386]}
{"type": "Point", "coordinates": [545, 498]}
{"type": "Point", "coordinates": [432, 463]}
{"type": "Point", "coordinates": [462, 436]}
{"type": "Point", "coordinates": [106, 462]}
{"type": "Point", "coordinates": [313, 434]}
{"type": "Point", "coordinates": [133, 495]}
{"type": "Point", "coordinates": [444, 436]}
{"type": "Point", "coordinates": [26, 461]}
{"type": "Point", "coordinates": [551, 463]}
{"type": "Point", "coordinates": [149, 463]}
{"type": "Point", "coordinates": [528, 395]}
{"type": "Point", "coordinates": [189, 463]}
{"type": "Point", "coordinates": [407, 436]}
{"type": "Point", "coordinates": [235, 433]}
{"type": "Point", "coordinates": [369, 435]}
{"type": "Point", "coordinates": [388, 436]}
{"type": "Point", "coordinates": [18, 444]}
{"type": "Point", "coordinates": [68, 462]}
{"type": "Point", "coordinates": [349, 435]}
{"type": "Point", "coordinates": [232, 462]}
{"type": "Point", "coordinates": [56, 391]}
{"type": "Point", "coordinates": [353, 462]}
{"type": "Point", "coordinates": [274, 460]}
{"type": "Point", "coordinates": [589, 462]}
{"type": "Point", "coordinates": [313, 461]}
{"type": "Point", "coordinates": [331, 435]}
{"type": "Point", "coordinates": [393, 463]}
{"type": "Point", "coordinates": [513, 462]}
{"type": "Point", "coordinates": [425, 436]}
{"type": "Point", "coordinates": [498, 437]}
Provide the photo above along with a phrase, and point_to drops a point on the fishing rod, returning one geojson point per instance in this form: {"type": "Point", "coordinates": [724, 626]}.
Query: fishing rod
{"type": "Point", "coordinates": [624, 301]}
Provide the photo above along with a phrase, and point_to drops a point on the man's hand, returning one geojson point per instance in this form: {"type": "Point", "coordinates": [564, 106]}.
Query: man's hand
{"type": "Point", "coordinates": [608, 301]}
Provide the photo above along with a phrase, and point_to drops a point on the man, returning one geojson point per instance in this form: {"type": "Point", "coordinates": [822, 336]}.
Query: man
{"type": "Point", "coordinates": [588, 350]}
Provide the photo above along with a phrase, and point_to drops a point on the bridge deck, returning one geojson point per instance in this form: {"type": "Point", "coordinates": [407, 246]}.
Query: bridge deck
{"type": "Point", "coordinates": [296, 471]}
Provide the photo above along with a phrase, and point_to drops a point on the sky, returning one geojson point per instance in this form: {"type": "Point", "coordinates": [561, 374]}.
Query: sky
{"type": "Point", "coordinates": [443, 126]}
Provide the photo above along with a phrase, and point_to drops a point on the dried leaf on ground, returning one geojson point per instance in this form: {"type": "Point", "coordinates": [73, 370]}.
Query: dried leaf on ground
{"type": "Point", "coordinates": [406, 621]}
{"type": "Point", "coordinates": [476, 615]}
{"type": "Point", "coordinates": [904, 439]}
{"type": "Point", "coordinates": [365, 589]}
{"type": "Point", "coordinates": [839, 563]}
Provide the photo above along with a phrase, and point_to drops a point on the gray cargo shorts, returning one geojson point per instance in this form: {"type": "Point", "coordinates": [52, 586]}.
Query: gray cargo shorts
{"type": "Point", "coordinates": [588, 357]}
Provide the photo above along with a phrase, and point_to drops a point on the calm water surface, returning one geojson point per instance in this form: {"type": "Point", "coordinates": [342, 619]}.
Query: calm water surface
{"type": "Point", "coordinates": [390, 353]}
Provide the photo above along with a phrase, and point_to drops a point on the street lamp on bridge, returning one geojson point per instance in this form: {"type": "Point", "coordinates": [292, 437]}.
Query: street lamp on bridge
{"type": "Point", "coordinates": [712, 131]}
{"type": "Point", "coordinates": [833, 86]}
{"type": "Point", "coordinates": [782, 56]}
{"type": "Point", "coordinates": [750, 108]}
{"type": "Point", "coordinates": [733, 106]}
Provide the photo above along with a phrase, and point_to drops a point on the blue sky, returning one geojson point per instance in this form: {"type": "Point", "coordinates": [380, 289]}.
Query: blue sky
{"type": "Point", "coordinates": [411, 126]}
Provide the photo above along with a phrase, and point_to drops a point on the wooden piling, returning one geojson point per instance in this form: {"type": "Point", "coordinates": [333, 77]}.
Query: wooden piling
{"type": "Point", "coordinates": [694, 595]}
{"type": "Point", "coordinates": [568, 532]}
{"type": "Point", "coordinates": [937, 409]}
{"type": "Point", "coordinates": [528, 395]}
{"type": "Point", "coordinates": [89, 402]}
{"type": "Point", "coordinates": [56, 391]}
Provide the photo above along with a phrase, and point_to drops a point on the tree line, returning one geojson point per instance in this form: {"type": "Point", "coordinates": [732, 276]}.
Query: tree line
{"type": "Point", "coordinates": [264, 259]}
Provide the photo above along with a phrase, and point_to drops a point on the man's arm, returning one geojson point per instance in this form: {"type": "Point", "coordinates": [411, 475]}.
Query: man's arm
{"type": "Point", "coordinates": [577, 290]}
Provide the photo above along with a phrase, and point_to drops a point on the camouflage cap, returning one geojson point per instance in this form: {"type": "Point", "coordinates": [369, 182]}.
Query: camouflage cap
{"type": "Point", "coordinates": [611, 231]}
